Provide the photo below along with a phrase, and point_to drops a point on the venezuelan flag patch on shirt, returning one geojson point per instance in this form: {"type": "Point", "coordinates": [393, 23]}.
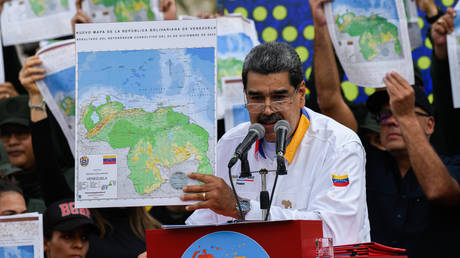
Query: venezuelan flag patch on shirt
{"type": "Point", "coordinates": [340, 180]}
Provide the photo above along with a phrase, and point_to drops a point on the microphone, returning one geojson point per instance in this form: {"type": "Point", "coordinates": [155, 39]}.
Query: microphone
{"type": "Point", "coordinates": [282, 129]}
{"type": "Point", "coordinates": [256, 131]}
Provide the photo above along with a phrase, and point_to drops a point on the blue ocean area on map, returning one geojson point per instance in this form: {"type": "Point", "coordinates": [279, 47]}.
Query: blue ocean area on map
{"type": "Point", "coordinates": [231, 44]}
{"type": "Point", "coordinates": [240, 115]}
{"type": "Point", "coordinates": [384, 8]}
{"type": "Point", "coordinates": [153, 74]}
{"type": "Point", "coordinates": [26, 251]}
{"type": "Point", "coordinates": [61, 82]}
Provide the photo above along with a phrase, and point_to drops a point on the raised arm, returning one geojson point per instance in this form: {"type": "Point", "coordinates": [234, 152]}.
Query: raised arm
{"type": "Point", "coordinates": [326, 74]}
{"type": "Point", "coordinates": [433, 176]}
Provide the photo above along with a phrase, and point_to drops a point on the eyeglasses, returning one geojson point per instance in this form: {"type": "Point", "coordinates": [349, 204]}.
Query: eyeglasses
{"type": "Point", "coordinates": [278, 105]}
{"type": "Point", "coordinates": [387, 113]}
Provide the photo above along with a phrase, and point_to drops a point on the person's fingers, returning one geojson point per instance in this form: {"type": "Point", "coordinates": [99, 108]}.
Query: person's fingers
{"type": "Point", "coordinates": [194, 197]}
{"type": "Point", "coordinates": [198, 205]}
{"type": "Point", "coordinates": [202, 177]}
{"type": "Point", "coordinates": [196, 188]}
{"type": "Point", "coordinates": [78, 4]}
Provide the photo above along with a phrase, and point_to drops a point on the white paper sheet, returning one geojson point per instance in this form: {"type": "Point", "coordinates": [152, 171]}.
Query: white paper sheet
{"type": "Point", "coordinates": [58, 87]}
{"type": "Point", "coordinates": [25, 21]}
{"type": "Point", "coordinates": [453, 51]}
{"type": "Point", "coordinates": [370, 39]}
{"type": "Point", "coordinates": [21, 236]}
{"type": "Point", "coordinates": [145, 110]}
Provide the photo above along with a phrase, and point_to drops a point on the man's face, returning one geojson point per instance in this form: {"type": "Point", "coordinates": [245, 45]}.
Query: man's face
{"type": "Point", "coordinates": [268, 88]}
{"type": "Point", "coordinates": [67, 244]}
{"type": "Point", "coordinates": [390, 132]}
{"type": "Point", "coordinates": [12, 203]}
{"type": "Point", "coordinates": [17, 140]}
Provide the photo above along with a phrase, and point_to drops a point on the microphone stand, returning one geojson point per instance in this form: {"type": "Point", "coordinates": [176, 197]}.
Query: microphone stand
{"type": "Point", "coordinates": [264, 198]}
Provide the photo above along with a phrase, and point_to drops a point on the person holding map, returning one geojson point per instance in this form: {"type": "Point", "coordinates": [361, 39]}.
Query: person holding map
{"type": "Point", "coordinates": [412, 194]}
{"type": "Point", "coordinates": [324, 160]}
{"type": "Point", "coordinates": [446, 138]}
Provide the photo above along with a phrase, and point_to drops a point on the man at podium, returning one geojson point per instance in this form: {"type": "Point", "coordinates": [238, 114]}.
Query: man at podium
{"type": "Point", "coordinates": [324, 160]}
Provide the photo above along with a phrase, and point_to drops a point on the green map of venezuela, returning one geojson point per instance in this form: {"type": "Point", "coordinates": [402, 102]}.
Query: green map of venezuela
{"type": "Point", "coordinates": [372, 32]}
{"type": "Point", "coordinates": [156, 139]}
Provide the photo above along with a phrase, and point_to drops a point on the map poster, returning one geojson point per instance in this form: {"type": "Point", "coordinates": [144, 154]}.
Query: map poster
{"type": "Point", "coordinates": [25, 21]}
{"type": "Point", "coordinates": [2, 66]}
{"type": "Point", "coordinates": [122, 11]}
{"type": "Point", "coordinates": [58, 87]}
{"type": "Point", "coordinates": [145, 112]}
{"type": "Point", "coordinates": [371, 39]}
{"type": "Point", "coordinates": [21, 236]}
{"type": "Point", "coordinates": [453, 51]}
{"type": "Point", "coordinates": [236, 36]}
{"type": "Point", "coordinates": [415, 34]}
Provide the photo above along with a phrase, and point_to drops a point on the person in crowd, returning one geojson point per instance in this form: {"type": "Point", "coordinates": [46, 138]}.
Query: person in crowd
{"type": "Point", "coordinates": [122, 230]}
{"type": "Point", "coordinates": [11, 200]}
{"type": "Point", "coordinates": [321, 155]}
{"type": "Point", "coordinates": [15, 134]}
{"type": "Point", "coordinates": [446, 138]}
{"type": "Point", "coordinates": [66, 230]}
{"type": "Point", "coordinates": [412, 194]}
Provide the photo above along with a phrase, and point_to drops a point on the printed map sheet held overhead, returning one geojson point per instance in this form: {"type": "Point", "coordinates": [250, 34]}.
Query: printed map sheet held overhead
{"type": "Point", "coordinates": [145, 110]}
{"type": "Point", "coordinates": [25, 21]}
{"type": "Point", "coordinates": [371, 39]}
{"type": "Point", "coordinates": [453, 51]}
{"type": "Point", "coordinates": [122, 11]}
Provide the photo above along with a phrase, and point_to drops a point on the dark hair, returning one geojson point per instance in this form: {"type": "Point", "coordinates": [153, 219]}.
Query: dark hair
{"type": "Point", "coordinates": [274, 57]}
{"type": "Point", "coordinates": [9, 187]}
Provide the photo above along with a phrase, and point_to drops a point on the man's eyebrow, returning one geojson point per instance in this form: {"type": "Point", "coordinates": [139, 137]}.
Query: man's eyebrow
{"type": "Point", "coordinates": [275, 92]}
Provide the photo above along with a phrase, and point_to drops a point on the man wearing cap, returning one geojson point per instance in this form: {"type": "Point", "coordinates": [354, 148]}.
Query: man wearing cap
{"type": "Point", "coordinates": [66, 230]}
{"type": "Point", "coordinates": [412, 193]}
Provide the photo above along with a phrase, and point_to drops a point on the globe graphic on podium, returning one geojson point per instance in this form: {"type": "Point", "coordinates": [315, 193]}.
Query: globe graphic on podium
{"type": "Point", "coordinates": [225, 244]}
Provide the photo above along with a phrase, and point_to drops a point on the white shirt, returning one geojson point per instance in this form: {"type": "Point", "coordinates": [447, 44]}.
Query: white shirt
{"type": "Point", "coordinates": [327, 151]}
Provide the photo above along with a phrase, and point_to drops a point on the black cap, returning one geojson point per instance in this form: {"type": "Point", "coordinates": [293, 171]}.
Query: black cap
{"type": "Point", "coordinates": [64, 217]}
{"type": "Point", "coordinates": [379, 98]}
{"type": "Point", "coordinates": [15, 110]}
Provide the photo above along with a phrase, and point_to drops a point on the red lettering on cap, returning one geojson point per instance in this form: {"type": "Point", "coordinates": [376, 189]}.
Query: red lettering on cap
{"type": "Point", "coordinates": [72, 208]}
{"type": "Point", "coordinates": [64, 209]}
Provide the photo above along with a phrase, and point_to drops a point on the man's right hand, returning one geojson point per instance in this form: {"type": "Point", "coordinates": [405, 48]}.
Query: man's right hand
{"type": "Point", "coordinates": [79, 17]}
{"type": "Point", "coordinates": [439, 31]}
{"type": "Point", "coordinates": [317, 11]}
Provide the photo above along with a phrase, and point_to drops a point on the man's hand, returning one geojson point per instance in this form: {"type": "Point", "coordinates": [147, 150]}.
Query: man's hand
{"type": "Point", "coordinates": [214, 194]}
{"type": "Point", "coordinates": [80, 16]}
{"type": "Point", "coordinates": [317, 11]}
{"type": "Point", "coordinates": [428, 7]}
{"type": "Point", "coordinates": [439, 31]}
{"type": "Point", "coordinates": [169, 9]}
{"type": "Point", "coordinates": [7, 90]}
{"type": "Point", "coordinates": [30, 73]}
{"type": "Point", "coordinates": [401, 93]}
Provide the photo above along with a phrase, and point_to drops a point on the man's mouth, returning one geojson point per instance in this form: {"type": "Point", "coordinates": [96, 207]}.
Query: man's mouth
{"type": "Point", "coordinates": [14, 153]}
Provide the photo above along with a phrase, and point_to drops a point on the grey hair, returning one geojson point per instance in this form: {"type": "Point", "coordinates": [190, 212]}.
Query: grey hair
{"type": "Point", "coordinates": [274, 57]}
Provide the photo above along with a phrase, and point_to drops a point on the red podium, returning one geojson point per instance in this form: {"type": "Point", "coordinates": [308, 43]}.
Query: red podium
{"type": "Point", "coordinates": [277, 238]}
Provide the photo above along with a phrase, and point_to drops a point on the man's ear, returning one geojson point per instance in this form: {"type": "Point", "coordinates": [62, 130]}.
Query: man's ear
{"type": "Point", "coordinates": [429, 128]}
{"type": "Point", "coordinates": [301, 91]}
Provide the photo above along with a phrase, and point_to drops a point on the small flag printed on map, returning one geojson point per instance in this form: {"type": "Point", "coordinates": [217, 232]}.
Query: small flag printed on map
{"type": "Point", "coordinates": [109, 159]}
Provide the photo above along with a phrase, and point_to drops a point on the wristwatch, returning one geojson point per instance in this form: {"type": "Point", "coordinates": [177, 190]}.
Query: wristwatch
{"type": "Point", "coordinates": [40, 107]}
{"type": "Point", "coordinates": [245, 206]}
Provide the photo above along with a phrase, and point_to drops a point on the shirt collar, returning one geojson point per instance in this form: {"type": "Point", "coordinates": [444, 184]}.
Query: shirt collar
{"type": "Point", "coordinates": [302, 127]}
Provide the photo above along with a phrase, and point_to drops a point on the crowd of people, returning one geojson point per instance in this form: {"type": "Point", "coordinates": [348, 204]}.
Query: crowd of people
{"type": "Point", "coordinates": [391, 177]}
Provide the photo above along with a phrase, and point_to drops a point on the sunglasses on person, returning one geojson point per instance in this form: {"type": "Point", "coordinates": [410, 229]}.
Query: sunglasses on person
{"type": "Point", "coordinates": [383, 116]}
